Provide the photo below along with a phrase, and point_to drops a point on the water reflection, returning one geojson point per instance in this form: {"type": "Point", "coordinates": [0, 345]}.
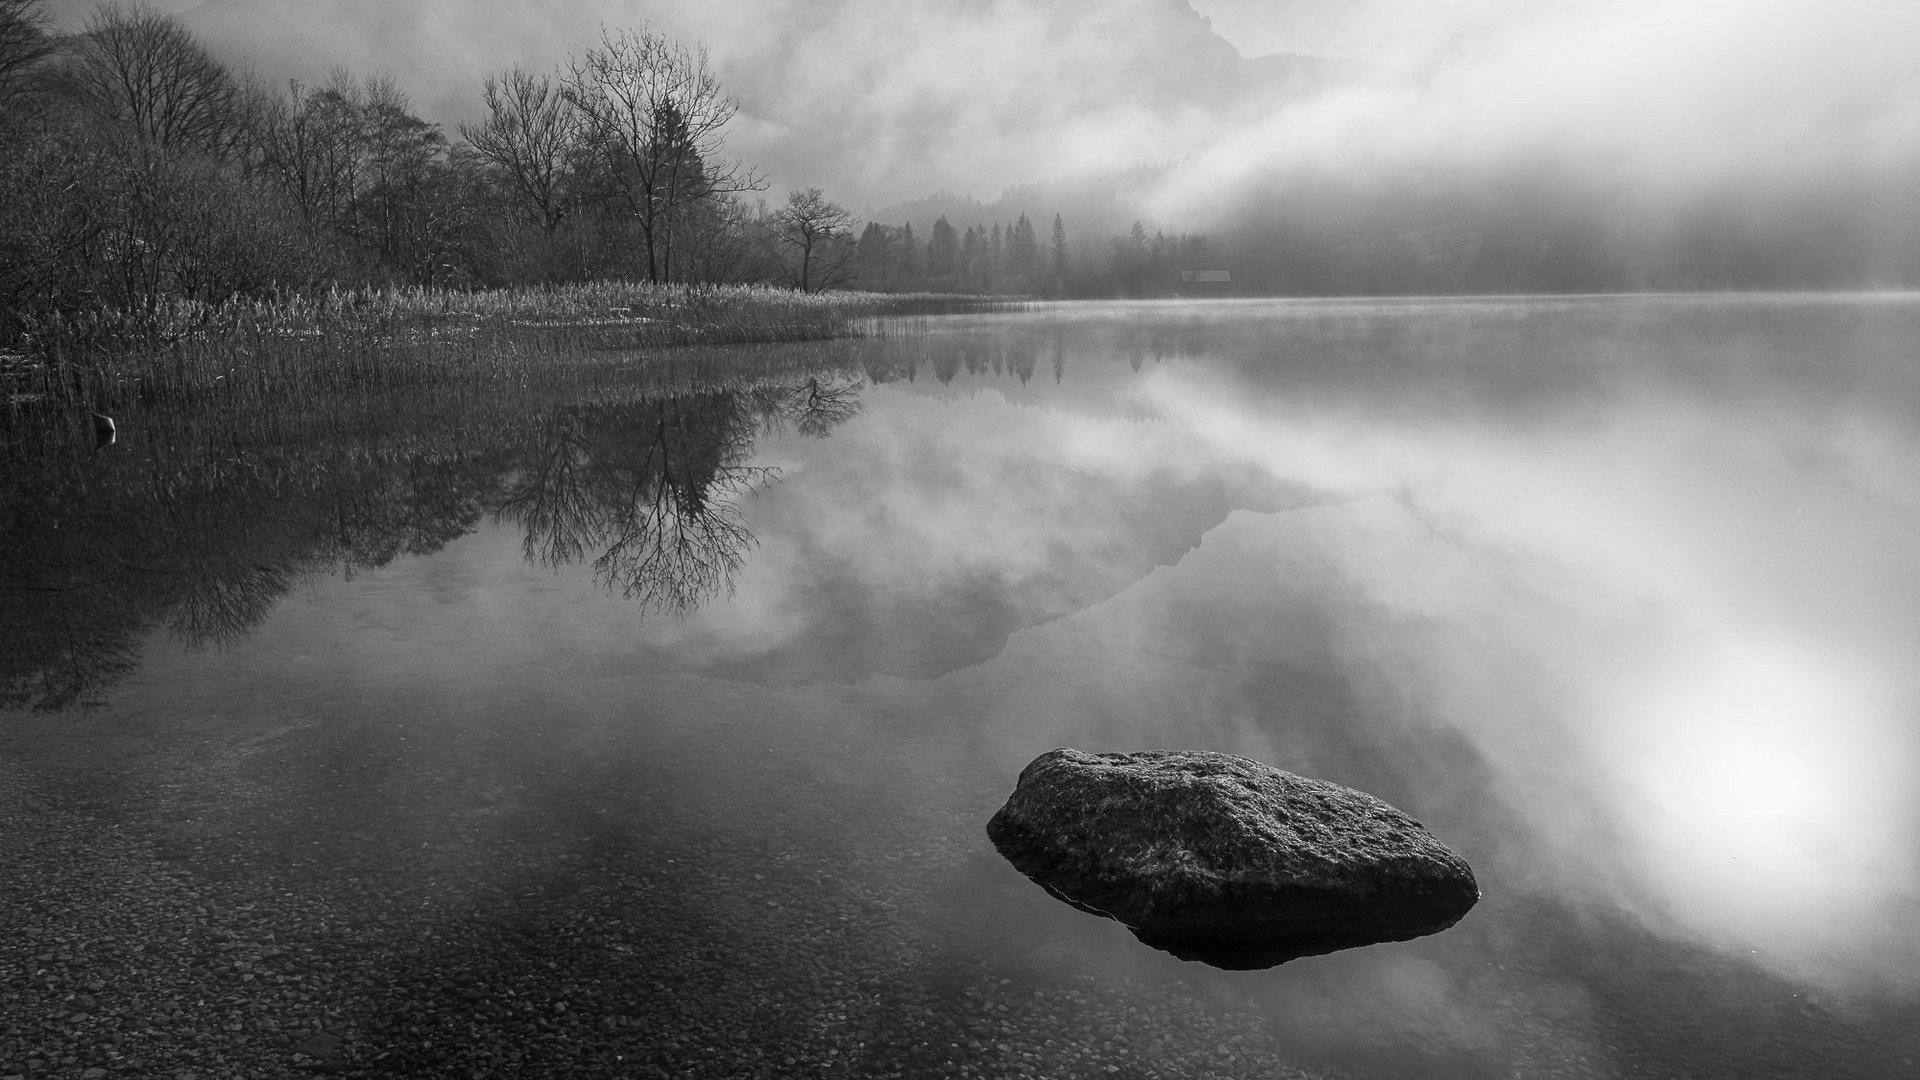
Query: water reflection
{"type": "Point", "coordinates": [201, 522]}
{"type": "Point", "coordinates": [1650, 590]}
{"type": "Point", "coordinates": [1615, 595]}
{"type": "Point", "coordinates": [1665, 609]}
{"type": "Point", "coordinates": [207, 512]}
{"type": "Point", "coordinates": [645, 492]}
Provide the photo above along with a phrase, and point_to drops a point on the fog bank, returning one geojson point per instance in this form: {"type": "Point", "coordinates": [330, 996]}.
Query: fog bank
{"type": "Point", "coordinates": [880, 102]}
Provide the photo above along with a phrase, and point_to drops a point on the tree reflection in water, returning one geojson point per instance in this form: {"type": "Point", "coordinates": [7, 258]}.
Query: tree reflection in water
{"type": "Point", "coordinates": [653, 486]}
{"type": "Point", "coordinates": [199, 523]}
{"type": "Point", "coordinates": [211, 506]}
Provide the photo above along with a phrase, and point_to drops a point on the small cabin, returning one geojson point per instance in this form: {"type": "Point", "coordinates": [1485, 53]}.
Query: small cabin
{"type": "Point", "coordinates": [1203, 282]}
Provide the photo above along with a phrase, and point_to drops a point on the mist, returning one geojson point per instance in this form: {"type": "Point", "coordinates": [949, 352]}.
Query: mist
{"type": "Point", "coordinates": [1643, 105]}
{"type": "Point", "coordinates": [884, 102]}
{"type": "Point", "coordinates": [1675, 628]}
{"type": "Point", "coordinates": [529, 607]}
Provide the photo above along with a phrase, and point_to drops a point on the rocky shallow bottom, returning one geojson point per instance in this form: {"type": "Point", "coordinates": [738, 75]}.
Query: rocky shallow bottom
{"type": "Point", "coordinates": [300, 903]}
{"type": "Point", "coordinates": [247, 901]}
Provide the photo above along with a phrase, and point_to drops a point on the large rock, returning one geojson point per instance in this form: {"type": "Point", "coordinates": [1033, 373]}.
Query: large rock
{"type": "Point", "coordinates": [1225, 860]}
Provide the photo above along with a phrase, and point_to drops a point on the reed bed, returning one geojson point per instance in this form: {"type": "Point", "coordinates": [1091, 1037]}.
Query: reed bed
{"type": "Point", "coordinates": [256, 349]}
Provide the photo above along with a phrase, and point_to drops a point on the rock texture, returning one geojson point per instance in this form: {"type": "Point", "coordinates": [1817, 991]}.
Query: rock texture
{"type": "Point", "coordinates": [1224, 860]}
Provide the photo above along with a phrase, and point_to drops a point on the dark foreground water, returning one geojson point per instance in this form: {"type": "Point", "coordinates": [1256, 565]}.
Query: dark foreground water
{"type": "Point", "coordinates": [643, 719]}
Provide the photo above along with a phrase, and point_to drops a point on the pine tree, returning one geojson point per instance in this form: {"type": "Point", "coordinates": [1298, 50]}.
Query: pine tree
{"type": "Point", "coordinates": [970, 256]}
{"type": "Point", "coordinates": [1130, 261]}
{"type": "Point", "coordinates": [875, 256]}
{"type": "Point", "coordinates": [942, 248]}
{"type": "Point", "coordinates": [1059, 254]}
{"type": "Point", "coordinates": [1026, 253]}
{"type": "Point", "coordinates": [909, 254]}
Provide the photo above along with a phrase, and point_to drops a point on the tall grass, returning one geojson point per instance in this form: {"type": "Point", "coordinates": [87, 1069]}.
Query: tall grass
{"type": "Point", "coordinates": [372, 339]}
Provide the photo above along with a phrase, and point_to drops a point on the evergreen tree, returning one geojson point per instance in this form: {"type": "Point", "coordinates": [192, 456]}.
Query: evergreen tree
{"type": "Point", "coordinates": [1058, 254]}
{"type": "Point", "coordinates": [909, 266]}
{"type": "Point", "coordinates": [876, 257]}
{"type": "Point", "coordinates": [1160, 268]}
{"type": "Point", "coordinates": [943, 247]}
{"type": "Point", "coordinates": [1130, 261]}
{"type": "Point", "coordinates": [1025, 253]}
{"type": "Point", "coordinates": [976, 258]}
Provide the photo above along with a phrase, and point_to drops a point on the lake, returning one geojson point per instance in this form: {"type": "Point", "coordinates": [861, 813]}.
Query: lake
{"type": "Point", "coordinates": [642, 717]}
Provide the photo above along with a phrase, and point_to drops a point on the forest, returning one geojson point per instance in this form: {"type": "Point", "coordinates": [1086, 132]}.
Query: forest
{"type": "Point", "coordinates": [136, 169]}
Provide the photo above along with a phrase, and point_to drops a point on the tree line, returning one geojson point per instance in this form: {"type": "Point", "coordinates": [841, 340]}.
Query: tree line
{"type": "Point", "coordinates": [136, 167]}
{"type": "Point", "coordinates": [1014, 259]}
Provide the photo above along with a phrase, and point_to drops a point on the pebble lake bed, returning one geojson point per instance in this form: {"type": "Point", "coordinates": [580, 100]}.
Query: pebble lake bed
{"type": "Point", "coordinates": [648, 723]}
{"type": "Point", "coordinates": [187, 911]}
{"type": "Point", "coordinates": [426, 905]}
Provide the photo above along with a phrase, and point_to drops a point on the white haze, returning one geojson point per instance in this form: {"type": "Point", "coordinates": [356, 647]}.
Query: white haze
{"type": "Point", "coordinates": [877, 101]}
{"type": "Point", "coordinates": [1638, 93]}
{"type": "Point", "coordinates": [1681, 635]}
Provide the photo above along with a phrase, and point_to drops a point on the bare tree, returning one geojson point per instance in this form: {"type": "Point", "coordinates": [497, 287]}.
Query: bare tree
{"type": "Point", "coordinates": [717, 245]}
{"type": "Point", "coordinates": [55, 195]}
{"type": "Point", "coordinates": [25, 44]}
{"type": "Point", "coordinates": [309, 144]}
{"type": "Point", "coordinates": [357, 162]}
{"type": "Point", "coordinates": [142, 69]}
{"type": "Point", "coordinates": [654, 115]}
{"type": "Point", "coordinates": [532, 136]}
{"type": "Point", "coordinates": [816, 236]}
{"type": "Point", "coordinates": [402, 215]}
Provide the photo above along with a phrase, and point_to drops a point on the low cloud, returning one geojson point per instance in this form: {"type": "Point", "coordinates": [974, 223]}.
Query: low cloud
{"type": "Point", "coordinates": [879, 101]}
{"type": "Point", "coordinates": [1639, 94]}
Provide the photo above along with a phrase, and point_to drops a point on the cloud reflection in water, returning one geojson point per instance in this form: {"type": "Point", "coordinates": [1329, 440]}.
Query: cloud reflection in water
{"type": "Point", "coordinates": [1677, 626]}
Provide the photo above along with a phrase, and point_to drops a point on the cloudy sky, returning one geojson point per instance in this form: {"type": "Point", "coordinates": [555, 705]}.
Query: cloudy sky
{"type": "Point", "coordinates": [879, 100]}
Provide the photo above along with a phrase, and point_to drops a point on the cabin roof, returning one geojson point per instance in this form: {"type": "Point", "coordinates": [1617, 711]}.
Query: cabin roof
{"type": "Point", "coordinates": [1222, 276]}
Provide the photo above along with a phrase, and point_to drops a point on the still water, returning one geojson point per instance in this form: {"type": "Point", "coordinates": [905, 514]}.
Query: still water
{"type": "Point", "coordinates": [681, 693]}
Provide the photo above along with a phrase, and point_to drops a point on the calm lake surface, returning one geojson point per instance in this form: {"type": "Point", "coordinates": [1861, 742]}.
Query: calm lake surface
{"type": "Point", "coordinates": [705, 675]}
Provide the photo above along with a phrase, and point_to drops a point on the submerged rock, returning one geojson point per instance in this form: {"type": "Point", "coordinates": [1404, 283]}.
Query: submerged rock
{"type": "Point", "coordinates": [1224, 860]}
